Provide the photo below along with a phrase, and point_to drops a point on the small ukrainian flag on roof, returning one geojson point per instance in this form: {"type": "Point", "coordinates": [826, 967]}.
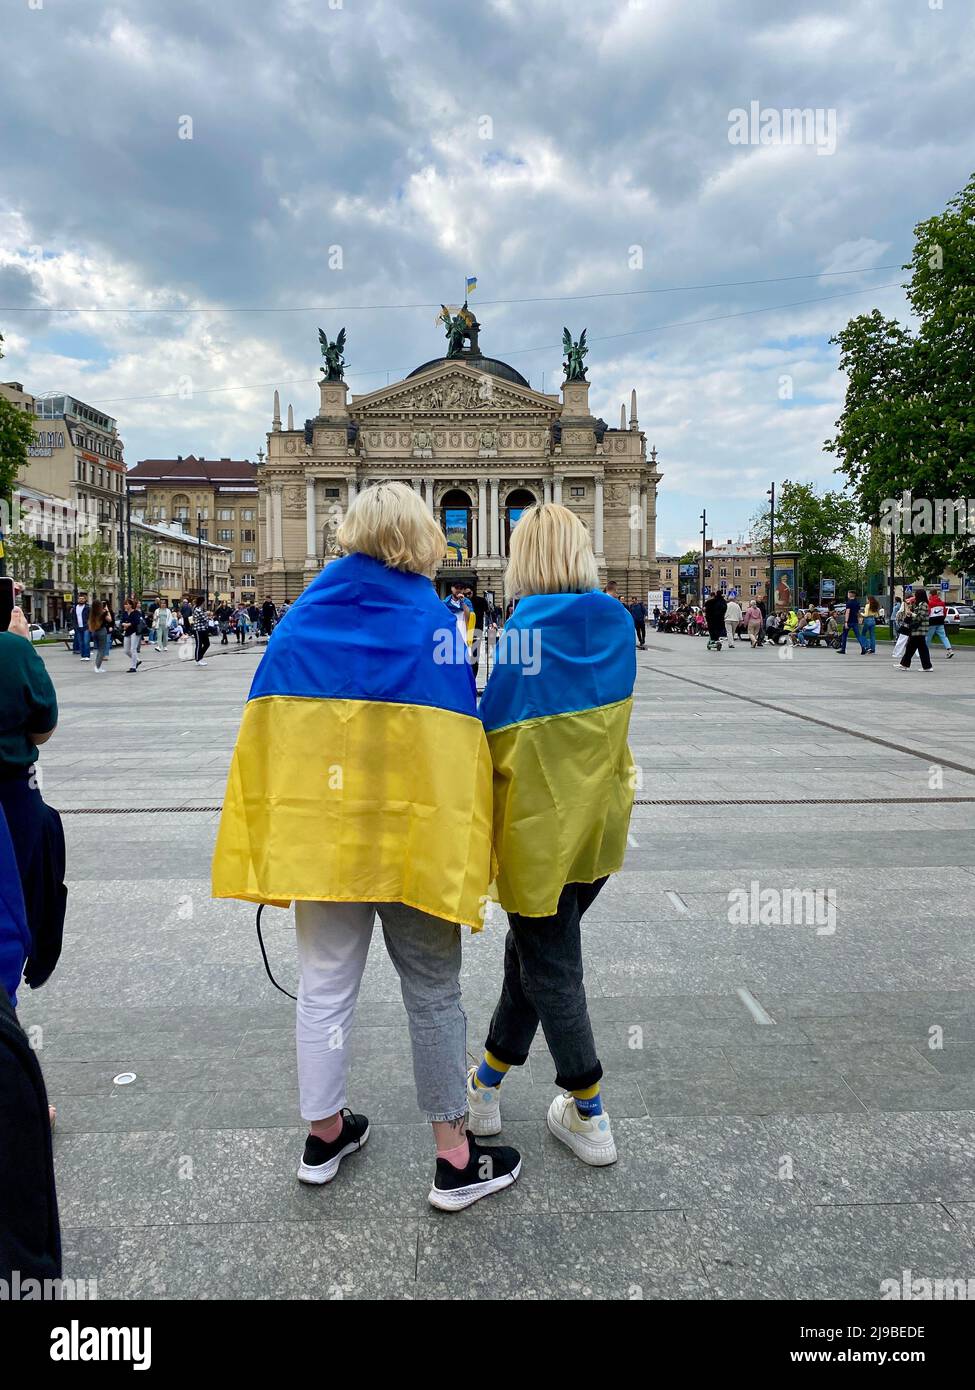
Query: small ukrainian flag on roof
{"type": "Point", "coordinates": [471, 284]}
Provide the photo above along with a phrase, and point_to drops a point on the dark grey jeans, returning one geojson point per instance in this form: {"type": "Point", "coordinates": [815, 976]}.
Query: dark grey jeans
{"type": "Point", "coordinates": [543, 985]}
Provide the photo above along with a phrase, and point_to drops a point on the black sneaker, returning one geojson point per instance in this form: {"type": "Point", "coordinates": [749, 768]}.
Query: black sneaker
{"type": "Point", "coordinates": [489, 1169]}
{"type": "Point", "coordinates": [320, 1161]}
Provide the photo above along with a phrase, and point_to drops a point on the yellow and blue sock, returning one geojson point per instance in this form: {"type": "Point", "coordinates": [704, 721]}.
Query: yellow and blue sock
{"type": "Point", "coordinates": [491, 1072]}
{"type": "Point", "coordinates": [589, 1102]}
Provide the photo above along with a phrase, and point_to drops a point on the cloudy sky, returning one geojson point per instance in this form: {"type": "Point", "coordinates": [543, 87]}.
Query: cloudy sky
{"type": "Point", "coordinates": [575, 157]}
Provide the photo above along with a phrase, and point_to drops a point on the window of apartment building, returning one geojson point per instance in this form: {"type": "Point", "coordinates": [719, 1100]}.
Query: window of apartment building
{"type": "Point", "coordinates": [247, 513]}
{"type": "Point", "coordinates": [247, 557]}
{"type": "Point", "coordinates": [724, 573]}
{"type": "Point", "coordinates": [577, 491]}
{"type": "Point", "coordinates": [752, 573]}
{"type": "Point", "coordinates": [247, 581]}
{"type": "Point", "coordinates": [225, 514]}
{"type": "Point", "coordinates": [329, 492]}
{"type": "Point", "coordinates": [248, 536]}
{"type": "Point", "coordinates": [225, 535]}
{"type": "Point", "coordinates": [737, 573]}
{"type": "Point", "coordinates": [754, 590]}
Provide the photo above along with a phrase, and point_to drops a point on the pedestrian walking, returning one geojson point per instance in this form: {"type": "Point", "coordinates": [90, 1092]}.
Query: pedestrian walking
{"type": "Point", "coordinates": [638, 612]}
{"type": "Point", "coordinates": [753, 623]}
{"type": "Point", "coordinates": [715, 611]}
{"type": "Point", "coordinates": [557, 714]}
{"type": "Point", "coordinates": [201, 632]}
{"type": "Point", "coordinates": [936, 627]}
{"type": "Point", "coordinates": [851, 623]}
{"type": "Point", "coordinates": [82, 637]}
{"type": "Point", "coordinates": [871, 616]}
{"type": "Point", "coordinates": [223, 615]}
{"type": "Point", "coordinates": [161, 621]}
{"type": "Point", "coordinates": [132, 622]}
{"type": "Point", "coordinates": [101, 633]}
{"type": "Point", "coordinates": [242, 624]}
{"type": "Point", "coordinates": [269, 616]}
{"type": "Point", "coordinates": [915, 618]}
{"type": "Point", "coordinates": [289, 833]}
{"type": "Point", "coordinates": [732, 621]}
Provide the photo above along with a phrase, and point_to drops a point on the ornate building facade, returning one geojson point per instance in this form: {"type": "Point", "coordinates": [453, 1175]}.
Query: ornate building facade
{"type": "Point", "coordinates": [479, 445]}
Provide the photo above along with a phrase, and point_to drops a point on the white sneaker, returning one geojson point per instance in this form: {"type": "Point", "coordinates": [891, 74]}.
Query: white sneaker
{"type": "Point", "coordinates": [202, 663]}
{"type": "Point", "coordinates": [483, 1107]}
{"type": "Point", "coordinates": [590, 1140]}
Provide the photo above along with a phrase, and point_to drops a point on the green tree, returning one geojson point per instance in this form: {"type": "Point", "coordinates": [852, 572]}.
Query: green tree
{"type": "Point", "coordinates": [144, 568]}
{"type": "Point", "coordinates": [25, 558]}
{"type": "Point", "coordinates": [91, 565]}
{"type": "Point", "coordinates": [814, 524]}
{"type": "Point", "coordinates": [16, 436]}
{"type": "Point", "coordinates": [908, 422]}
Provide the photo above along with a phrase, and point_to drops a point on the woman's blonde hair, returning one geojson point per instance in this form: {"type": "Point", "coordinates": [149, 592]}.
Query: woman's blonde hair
{"type": "Point", "coordinates": [550, 553]}
{"type": "Point", "coordinates": [389, 521]}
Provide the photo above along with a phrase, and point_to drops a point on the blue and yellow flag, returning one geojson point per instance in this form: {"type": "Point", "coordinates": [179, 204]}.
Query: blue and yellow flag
{"type": "Point", "coordinates": [361, 772]}
{"type": "Point", "coordinates": [556, 709]}
{"type": "Point", "coordinates": [471, 285]}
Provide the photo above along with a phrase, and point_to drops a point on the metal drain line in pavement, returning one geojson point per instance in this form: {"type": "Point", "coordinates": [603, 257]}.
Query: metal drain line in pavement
{"type": "Point", "coordinates": [663, 801]}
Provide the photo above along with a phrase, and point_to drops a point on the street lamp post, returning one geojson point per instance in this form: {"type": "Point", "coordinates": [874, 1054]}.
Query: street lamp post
{"type": "Point", "coordinates": [128, 535]}
{"type": "Point", "coordinates": [199, 552]}
{"type": "Point", "coordinates": [704, 549]}
{"type": "Point", "coordinates": [771, 548]}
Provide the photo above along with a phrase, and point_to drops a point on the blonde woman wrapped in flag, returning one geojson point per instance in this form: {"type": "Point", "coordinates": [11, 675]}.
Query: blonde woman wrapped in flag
{"type": "Point", "coordinates": [359, 741]}
{"type": "Point", "coordinates": [556, 709]}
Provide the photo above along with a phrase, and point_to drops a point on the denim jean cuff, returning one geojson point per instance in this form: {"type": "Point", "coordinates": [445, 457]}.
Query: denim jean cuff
{"type": "Point", "coordinates": [441, 1117]}
{"type": "Point", "coordinates": [580, 1081]}
{"type": "Point", "coordinates": [505, 1054]}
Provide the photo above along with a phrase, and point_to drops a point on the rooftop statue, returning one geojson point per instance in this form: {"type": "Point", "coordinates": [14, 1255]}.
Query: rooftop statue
{"type": "Point", "coordinates": [459, 328]}
{"type": "Point", "coordinates": [574, 353]}
{"type": "Point", "coordinates": [335, 363]}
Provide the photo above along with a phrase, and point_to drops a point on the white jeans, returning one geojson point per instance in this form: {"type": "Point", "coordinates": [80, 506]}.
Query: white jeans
{"type": "Point", "coordinates": [333, 944]}
{"type": "Point", "coordinates": [130, 645]}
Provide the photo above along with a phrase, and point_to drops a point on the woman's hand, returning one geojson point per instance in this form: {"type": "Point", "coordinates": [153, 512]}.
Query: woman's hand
{"type": "Point", "coordinates": [19, 623]}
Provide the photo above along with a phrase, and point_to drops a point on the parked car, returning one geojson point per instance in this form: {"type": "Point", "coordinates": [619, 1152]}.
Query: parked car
{"type": "Point", "coordinates": [960, 615]}
{"type": "Point", "coordinates": [36, 632]}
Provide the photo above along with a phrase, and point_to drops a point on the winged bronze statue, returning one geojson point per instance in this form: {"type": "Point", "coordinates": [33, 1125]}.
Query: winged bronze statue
{"type": "Point", "coordinates": [335, 363]}
{"type": "Point", "coordinates": [574, 353]}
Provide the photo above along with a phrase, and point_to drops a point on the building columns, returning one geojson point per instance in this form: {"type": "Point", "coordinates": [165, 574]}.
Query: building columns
{"type": "Point", "coordinates": [311, 544]}
{"type": "Point", "coordinates": [598, 517]}
{"type": "Point", "coordinates": [428, 485]}
{"type": "Point", "coordinates": [645, 532]}
{"type": "Point", "coordinates": [557, 488]}
{"type": "Point", "coordinates": [351, 485]}
{"type": "Point", "coordinates": [277, 523]}
{"type": "Point", "coordinates": [482, 531]}
{"type": "Point", "coordinates": [546, 490]}
{"type": "Point", "coordinates": [634, 520]}
{"type": "Point", "coordinates": [493, 534]}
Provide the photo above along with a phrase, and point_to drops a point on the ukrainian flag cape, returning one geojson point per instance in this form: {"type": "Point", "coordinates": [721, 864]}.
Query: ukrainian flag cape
{"type": "Point", "coordinates": [361, 772]}
{"type": "Point", "coordinates": [557, 711]}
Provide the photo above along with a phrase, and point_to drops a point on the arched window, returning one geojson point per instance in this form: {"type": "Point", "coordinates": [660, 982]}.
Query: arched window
{"type": "Point", "coordinates": [181, 507]}
{"type": "Point", "coordinates": [514, 504]}
{"type": "Point", "coordinates": [456, 512]}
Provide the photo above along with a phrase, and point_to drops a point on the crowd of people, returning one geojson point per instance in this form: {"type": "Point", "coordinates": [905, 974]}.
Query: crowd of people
{"type": "Point", "coordinates": [915, 622]}
{"type": "Point", "coordinates": [155, 623]}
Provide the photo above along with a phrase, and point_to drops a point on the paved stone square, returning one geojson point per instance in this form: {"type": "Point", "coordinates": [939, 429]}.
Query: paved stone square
{"type": "Point", "coordinates": [785, 1128]}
